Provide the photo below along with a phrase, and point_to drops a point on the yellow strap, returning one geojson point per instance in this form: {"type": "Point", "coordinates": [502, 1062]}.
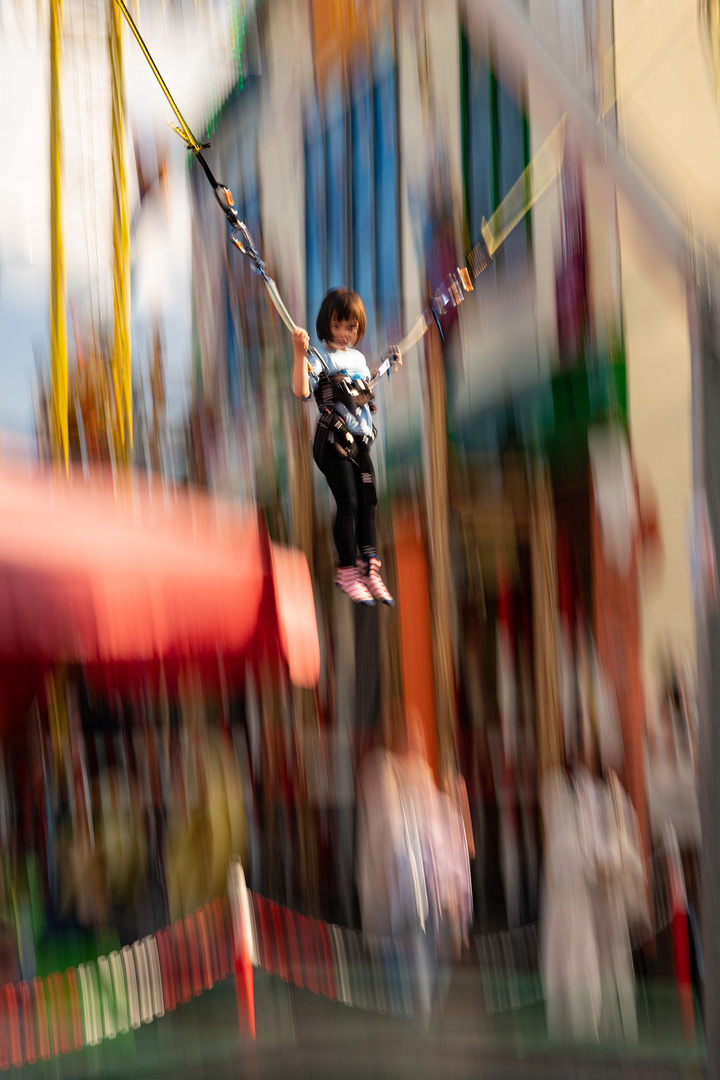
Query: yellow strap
{"type": "Point", "coordinates": [184, 131]}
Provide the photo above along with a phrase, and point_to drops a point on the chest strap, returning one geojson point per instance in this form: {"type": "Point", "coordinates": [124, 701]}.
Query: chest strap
{"type": "Point", "coordinates": [341, 389]}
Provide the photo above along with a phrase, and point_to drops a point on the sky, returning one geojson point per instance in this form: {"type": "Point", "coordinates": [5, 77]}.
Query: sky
{"type": "Point", "coordinates": [193, 50]}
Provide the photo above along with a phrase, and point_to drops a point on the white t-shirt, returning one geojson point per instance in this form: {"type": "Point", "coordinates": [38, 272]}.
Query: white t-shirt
{"type": "Point", "coordinates": [349, 362]}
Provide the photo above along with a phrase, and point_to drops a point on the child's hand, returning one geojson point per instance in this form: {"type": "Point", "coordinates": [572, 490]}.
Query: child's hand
{"type": "Point", "coordinates": [301, 340]}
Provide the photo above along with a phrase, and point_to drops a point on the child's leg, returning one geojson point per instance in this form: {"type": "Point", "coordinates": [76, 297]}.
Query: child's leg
{"type": "Point", "coordinates": [367, 542]}
{"type": "Point", "coordinates": [366, 529]}
{"type": "Point", "coordinates": [340, 475]}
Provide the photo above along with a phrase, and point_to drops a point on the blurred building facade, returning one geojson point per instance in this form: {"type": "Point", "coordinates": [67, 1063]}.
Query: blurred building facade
{"type": "Point", "coordinates": [364, 145]}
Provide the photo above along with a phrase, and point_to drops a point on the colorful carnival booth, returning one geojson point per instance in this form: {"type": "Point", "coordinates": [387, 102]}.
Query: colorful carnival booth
{"type": "Point", "coordinates": [130, 617]}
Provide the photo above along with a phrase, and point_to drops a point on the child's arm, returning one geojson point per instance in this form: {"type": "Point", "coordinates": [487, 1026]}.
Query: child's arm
{"type": "Point", "coordinates": [300, 381]}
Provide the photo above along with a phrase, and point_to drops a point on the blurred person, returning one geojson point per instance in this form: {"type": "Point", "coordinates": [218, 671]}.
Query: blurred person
{"type": "Point", "coordinates": [413, 870]}
{"type": "Point", "coordinates": [445, 838]}
{"type": "Point", "coordinates": [568, 944]}
{"type": "Point", "coordinates": [594, 892]}
{"type": "Point", "coordinates": [208, 820]}
{"type": "Point", "coordinates": [343, 438]}
{"type": "Point", "coordinates": [673, 735]}
{"type": "Point", "coordinates": [617, 880]}
{"type": "Point", "coordinates": [672, 769]}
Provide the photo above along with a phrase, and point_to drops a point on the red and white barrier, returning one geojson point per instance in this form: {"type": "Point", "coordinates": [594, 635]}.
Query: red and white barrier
{"type": "Point", "coordinates": [244, 956]}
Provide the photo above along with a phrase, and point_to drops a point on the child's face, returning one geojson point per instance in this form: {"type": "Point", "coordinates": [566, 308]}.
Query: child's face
{"type": "Point", "coordinates": [343, 332]}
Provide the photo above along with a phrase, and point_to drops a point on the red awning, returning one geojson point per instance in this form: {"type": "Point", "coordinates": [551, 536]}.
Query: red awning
{"type": "Point", "coordinates": [137, 576]}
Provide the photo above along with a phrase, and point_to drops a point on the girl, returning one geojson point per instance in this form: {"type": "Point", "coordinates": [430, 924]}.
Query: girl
{"type": "Point", "coordinates": [344, 436]}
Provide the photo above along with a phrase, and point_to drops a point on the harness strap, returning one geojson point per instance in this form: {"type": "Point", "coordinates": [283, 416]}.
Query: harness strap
{"type": "Point", "coordinates": [343, 390]}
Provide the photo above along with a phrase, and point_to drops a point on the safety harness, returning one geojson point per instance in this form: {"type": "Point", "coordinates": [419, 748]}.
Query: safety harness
{"type": "Point", "coordinates": [330, 391]}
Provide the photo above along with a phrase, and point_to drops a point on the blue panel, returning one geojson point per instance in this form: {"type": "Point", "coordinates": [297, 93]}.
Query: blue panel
{"type": "Point", "coordinates": [363, 203]}
{"type": "Point", "coordinates": [233, 354]}
{"type": "Point", "coordinates": [336, 180]}
{"type": "Point", "coordinates": [386, 205]}
{"type": "Point", "coordinates": [243, 344]}
{"type": "Point", "coordinates": [511, 163]}
{"type": "Point", "coordinates": [351, 198]}
{"type": "Point", "coordinates": [314, 219]}
{"type": "Point", "coordinates": [251, 217]}
{"type": "Point", "coordinates": [480, 151]}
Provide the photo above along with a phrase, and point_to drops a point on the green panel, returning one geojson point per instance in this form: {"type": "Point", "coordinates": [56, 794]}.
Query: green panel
{"type": "Point", "coordinates": [551, 418]}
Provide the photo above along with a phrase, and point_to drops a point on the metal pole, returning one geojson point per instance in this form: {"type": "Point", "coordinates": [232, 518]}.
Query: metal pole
{"type": "Point", "coordinates": [58, 315]}
{"type": "Point", "coordinates": [438, 520]}
{"type": "Point", "coordinates": [543, 552]}
{"type": "Point", "coordinates": [704, 314]}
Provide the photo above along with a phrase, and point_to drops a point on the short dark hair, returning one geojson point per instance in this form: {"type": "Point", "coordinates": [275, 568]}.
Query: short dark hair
{"type": "Point", "coordinates": [343, 304]}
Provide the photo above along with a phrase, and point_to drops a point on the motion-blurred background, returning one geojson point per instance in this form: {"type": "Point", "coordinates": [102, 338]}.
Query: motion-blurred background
{"type": "Point", "coordinates": [545, 460]}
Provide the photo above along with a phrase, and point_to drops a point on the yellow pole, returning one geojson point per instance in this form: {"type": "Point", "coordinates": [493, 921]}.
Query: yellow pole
{"type": "Point", "coordinates": [58, 319]}
{"type": "Point", "coordinates": [715, 41]}
{"type": "Point", "coordinates": [121, 365]}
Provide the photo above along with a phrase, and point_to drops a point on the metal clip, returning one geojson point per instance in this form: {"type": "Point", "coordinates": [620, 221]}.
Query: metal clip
{"type": "Point", "coordinates": [465, 279]}
{"type": "Point", "coordinates": [455, 290]}
{"type": "Point", "coordinates": [189, 142]}
{"type": "Point", "coordinates": [235, 237]}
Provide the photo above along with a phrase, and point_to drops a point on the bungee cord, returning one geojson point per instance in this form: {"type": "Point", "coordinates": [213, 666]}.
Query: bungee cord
{"type": "Point", "coordinates": [535, 179]}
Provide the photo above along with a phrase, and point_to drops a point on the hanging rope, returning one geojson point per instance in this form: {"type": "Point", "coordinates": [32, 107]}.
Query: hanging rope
{"type": "Point", "coordinates": [533, 182]}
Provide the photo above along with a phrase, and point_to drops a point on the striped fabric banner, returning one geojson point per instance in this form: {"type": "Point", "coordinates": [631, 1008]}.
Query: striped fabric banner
{"type": "Point", "coordinates": [119, 993]}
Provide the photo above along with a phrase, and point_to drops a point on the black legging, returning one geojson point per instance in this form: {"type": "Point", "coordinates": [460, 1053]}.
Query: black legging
{"type": "Point", "coordinates": [354, 525]}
